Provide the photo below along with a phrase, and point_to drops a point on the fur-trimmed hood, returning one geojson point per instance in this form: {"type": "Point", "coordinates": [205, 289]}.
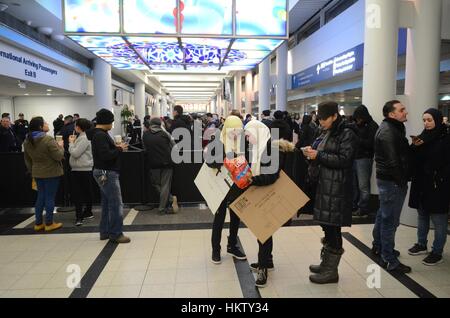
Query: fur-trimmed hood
{"type": "Point", "coordinates": [284, 145]}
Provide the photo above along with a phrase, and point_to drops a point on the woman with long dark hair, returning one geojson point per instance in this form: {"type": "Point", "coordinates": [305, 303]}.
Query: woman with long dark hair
{"type": "Point", "coordinates": [43, 157]}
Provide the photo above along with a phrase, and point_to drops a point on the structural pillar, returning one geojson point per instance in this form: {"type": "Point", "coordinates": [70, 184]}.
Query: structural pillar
{"type": "Point", "coordinates": [264, 85]}
{"type": "Point", "coordinates": [248, 92]}
{"type": "Point", "coordinates": [139, 100]}
{"type": "Point", "coordinates": [164, 105]}
{"type": "Point", "coordinates": [156, 109]}
{"type": "Point", "coordinates": [422, 72]}
{"type": "Point", "coordinates": [282, 68]}
{"type": "Point", "coordinates": [102, 84]}
{"type": "Point", "coordinates": [237, 91]}
{"type": "Point", "coordinates": [380, 55]}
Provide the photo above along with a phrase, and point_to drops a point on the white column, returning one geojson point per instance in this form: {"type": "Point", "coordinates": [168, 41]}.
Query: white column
{"type": "Point", "coordinates": [156, 109]}
{"type": "Point", "coordinates": [164, 105]}
{"type": "Point", "coordinates": [282, 65]}
{"type": "Point", "coordinates": [264, 85]}
{"type": "Point", "coordinates": [248, 92]}
{"type": "Point", "coordinates": [380, 55]}
{"type": "Point", "coordinates": [139, 100]}
{"type": "Point", "coordinates": [422, 72]}
{"type": "Point", "coordinates": [237, 91]}
{"type": "Point", "coordinates": [102, 84]}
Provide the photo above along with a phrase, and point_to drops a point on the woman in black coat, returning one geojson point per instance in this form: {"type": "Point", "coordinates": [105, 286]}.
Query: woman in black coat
{"type": "Point", "coordinates": [332, 156]}
{"type": "Point", "coordinates": [430, 188]}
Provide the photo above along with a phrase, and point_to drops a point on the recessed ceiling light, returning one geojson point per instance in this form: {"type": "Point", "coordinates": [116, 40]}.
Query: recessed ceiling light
{"type": "Point", "coordinates": [49, 90]}
{"type": "Point", "coordinates": [26, 94]}
{"type": "Point", "coordinates": [48, 94]}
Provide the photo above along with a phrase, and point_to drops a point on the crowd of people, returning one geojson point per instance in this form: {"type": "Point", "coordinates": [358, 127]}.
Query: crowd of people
{"type": "Point", "coordinates": [337, 155]}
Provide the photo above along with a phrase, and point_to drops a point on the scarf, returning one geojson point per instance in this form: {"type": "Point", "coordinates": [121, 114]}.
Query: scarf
{"type": "Point", "coordinates": [429, 136]}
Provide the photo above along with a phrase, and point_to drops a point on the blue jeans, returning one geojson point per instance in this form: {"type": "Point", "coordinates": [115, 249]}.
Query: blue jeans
{"type": "Point", "coordinates": [387, 221]}
{"type": "Point", "coordinates": [363, 171]}
{"type": "Point", "coordinates": [440, 230]}
{"type": "Point", "coordinates": [111, 223]}
{"type": "Point", "coordinates": [47, 188]}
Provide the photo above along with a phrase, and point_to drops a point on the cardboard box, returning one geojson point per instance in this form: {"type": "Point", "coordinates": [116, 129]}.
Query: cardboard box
{"type": "Point", "coordinates": [265, 209]}
{"type": "Point", "coordinates": [213, 185]}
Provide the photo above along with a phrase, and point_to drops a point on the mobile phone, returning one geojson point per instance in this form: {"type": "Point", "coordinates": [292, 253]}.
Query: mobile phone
{"type": "Point", "coordinates": [413, 137]}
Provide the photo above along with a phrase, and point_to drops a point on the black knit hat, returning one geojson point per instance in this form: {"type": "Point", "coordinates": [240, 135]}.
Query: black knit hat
{"type": "Point", "coordinates": [105, 117]}
{"type": "Point", "coordinates": [327, 109]}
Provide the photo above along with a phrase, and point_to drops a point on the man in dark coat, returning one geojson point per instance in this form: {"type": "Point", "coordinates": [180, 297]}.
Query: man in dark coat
{"type": "Point", "coordinates": [392, 157]}
{"type": "Point", "coordinates": [58, 124]}
{"type": "Point", "coordinates": [8, 139]}
{"type": "Point", "coordinates": [430, 185]}
{"type": "Point", "coordinates": [179, 121]}
{"type": "Point", "coordinates": [21, 129]}
{"type": "Point", "coordinates": [158, 146]}
{"type": "Point", "coordinates": [265, 118]}
{"type": "Point", "coordinates": [332, 156]}
{"type": "Point", "coordinates": [365, 150]}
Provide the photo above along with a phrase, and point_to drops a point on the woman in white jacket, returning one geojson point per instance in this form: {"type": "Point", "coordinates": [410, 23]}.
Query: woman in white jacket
{"type": "Point", "coordinates": [81, 162]}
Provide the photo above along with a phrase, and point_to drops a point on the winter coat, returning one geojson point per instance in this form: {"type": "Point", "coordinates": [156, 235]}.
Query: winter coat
{"type": "Point", "coordinates": [430, 187]}
{"type": "Point", "coordinates": [43, 158]}
{"type": "Point", "coordinates": [81, 154]}
{"type": "Point", "coordinates": [158, 146]}
{"type": "Point", "coordinates": [333, 201]}
{"type": "Point", "coordinates": [285, 131]}
{"type": "Point", "coordinates": [392, 152]}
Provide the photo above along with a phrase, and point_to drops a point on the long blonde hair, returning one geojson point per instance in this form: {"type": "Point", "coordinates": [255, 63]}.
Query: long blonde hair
{"type": "Point", "coordinates": [232, 123]}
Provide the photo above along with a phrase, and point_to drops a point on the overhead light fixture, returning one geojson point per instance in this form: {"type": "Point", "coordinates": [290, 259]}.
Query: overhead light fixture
{"type": "Point", "coordinates": [45, 30]}
{"type": "Point", "coordinates": [58, 37]}
{"type": "Point", "coordinates": [49, 90]}
{"type": "Point", "coordinates": [446, 98]}
{"type": "Point", "coordinates": [3, 6]}
{"type": "Point", "coordinates": [22, 85]}
{"type": "Point", "coordinates": [26, 94]}
{"type": "Point", "coordinates": [48, 94]}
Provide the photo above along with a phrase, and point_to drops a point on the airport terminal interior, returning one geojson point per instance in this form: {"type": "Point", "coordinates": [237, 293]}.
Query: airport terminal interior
{"type": "Point", "coordinates": [144, 67]}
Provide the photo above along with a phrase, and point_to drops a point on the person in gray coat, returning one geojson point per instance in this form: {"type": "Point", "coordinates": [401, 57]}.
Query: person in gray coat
{"type": "Point", "coordinates": [81, 162]}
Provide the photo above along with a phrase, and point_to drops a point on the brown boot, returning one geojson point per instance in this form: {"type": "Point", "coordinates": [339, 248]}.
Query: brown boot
{"type": "Point", "coordinates": [122, 239]}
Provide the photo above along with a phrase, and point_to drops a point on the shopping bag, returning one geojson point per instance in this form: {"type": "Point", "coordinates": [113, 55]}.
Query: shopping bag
{"type": "Point", "coordinates": [240, 171]}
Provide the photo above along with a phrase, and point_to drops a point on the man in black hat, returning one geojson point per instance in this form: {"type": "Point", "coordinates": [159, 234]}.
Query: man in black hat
{"type": "Point", "coordinates": [106, 153]}
{"type": "Point", "coordinates": [21, 129]}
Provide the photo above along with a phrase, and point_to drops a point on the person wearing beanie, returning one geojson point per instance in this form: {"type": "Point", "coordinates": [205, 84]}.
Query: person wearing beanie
{"type": "Point", "coordinates": [158, 146]}
{"type": "Point", "coordinates": [430, 185]}
{"type": "Point", "coordinates": [393, 161]}
{"type": "Point", "coordinates": [106, 154]}
{"type": "Point", "coordinates": [362, 168]}
{"type": "Point", "coordinates": [284, 130]}
{"type": "Point", "coordinates": [331, 157]}
{"type": "Point", "coordinates": [265, 118]}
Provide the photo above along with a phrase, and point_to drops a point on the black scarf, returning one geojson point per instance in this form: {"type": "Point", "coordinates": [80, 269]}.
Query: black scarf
{"type": "Point", "coordinates": [429, 136]}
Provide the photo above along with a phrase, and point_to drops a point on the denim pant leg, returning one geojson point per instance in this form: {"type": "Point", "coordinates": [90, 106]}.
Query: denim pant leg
{"type": "Point", "coordinates": [166, 184]}
{"type": "Point", "coordinates": [265, 253]}
{"type": "Point", "coordinates": [219, 220]}
{"type": "Point", "coordinates": [376, 232]}
{"type": "Point", "coordinates": [440, 222]}
{"type": "Point", "coordinates": [115, 204]}
{"type": "Point", "coordinates": [104, 221]}
{"type": "Point", "coordinates": [392, 198]}
{"type": "Point", "coordinates": [40, 201]}
{"type": "Point", "coordinates": [356, 193]}
{"type": "Point", "coordinates": [50, 194]}
{"type": "Point", "coordinates": [423, 227]}
{"type": "Point", "coordinates": [364, 174]}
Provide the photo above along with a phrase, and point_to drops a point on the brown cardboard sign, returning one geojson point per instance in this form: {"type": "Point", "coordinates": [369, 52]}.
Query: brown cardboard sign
{"type": "Point", "coordinates": [265, 209]}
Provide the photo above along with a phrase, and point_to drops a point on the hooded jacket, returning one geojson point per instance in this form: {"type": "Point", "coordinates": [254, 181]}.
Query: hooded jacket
{"type": "Point", "coordinates": [43, 157]}
{"type": "Point", "coordinates": [158, 146]}
{"type": "Point", "coordinates": [365, 134]}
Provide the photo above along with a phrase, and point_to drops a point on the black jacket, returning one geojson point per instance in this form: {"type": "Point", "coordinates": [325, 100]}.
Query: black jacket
{"type": "Point", "coordinates": [8, 140]}
{"type": "Point", "coordinates": [392, 152]}
{"type": "Point", "coordinates": [285, 131]}
{"type": "Point", "coordinates": [179, 122]}
{"type": "Point", "coordinates": [158, 147]}
{"type": "Point", "coordinates": [333, 201]}
{"type": "Point", "coordinates": [66, 132]}
{"type": "Point", "coordinates": [21, 129]}
{"type": "Point", "coordinates": [57, 125]}
{"type": "Point", "coordinates": [430, 187]}
{"type": "Point", "coordinates": [267, 122]}
{"type": "Point", "coordinates": [366, 139]}
{"type": "Point", "coordinates": [105, 153]}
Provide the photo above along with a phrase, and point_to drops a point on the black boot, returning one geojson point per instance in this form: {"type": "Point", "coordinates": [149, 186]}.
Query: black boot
{"type": "Point", "coordinates": [316, 268]}
{"type": "Point", "coordinates": [329, 267]}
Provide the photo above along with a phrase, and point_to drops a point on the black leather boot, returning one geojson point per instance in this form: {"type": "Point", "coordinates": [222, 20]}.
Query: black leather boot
{"type": "Point", "coordinates": [316, 268]}
{"type": "Point", "coordinates": [329, 267]}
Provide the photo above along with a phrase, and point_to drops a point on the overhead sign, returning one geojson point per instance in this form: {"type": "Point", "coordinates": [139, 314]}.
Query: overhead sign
{"type": "Point", "coordinates": [22, 65]}
{"type": "Point", "coordinates": [349, 61]}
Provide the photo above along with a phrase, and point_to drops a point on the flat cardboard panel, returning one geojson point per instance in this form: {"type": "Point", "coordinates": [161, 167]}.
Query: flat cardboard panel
{"type": "Point", "coordinates": [265, 209]}
{"type": "Point", "coordinates": [213, 185]}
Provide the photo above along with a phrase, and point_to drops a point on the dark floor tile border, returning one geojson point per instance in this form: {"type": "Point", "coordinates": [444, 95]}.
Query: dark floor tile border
{"type": "Point", "coordinates": [94, 272]}
{"type": "Point", "coordinates": [404, 279]}
{"type": "Point", "coordinates": [246, 278]}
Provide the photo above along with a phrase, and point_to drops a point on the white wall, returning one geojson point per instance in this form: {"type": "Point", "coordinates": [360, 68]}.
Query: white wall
{"type": "Point", "coordinates": [6, 106]}
{"type": "Point", "coordinates": [342, 33]}
{"type": "Point", "coordinates": [446, 20]}
{"type": "Point", "coordinates": [51, 107]}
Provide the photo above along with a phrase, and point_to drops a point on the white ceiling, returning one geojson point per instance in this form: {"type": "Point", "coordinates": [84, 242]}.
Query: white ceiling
{"type": "Point", "coordinates": [302, 11]}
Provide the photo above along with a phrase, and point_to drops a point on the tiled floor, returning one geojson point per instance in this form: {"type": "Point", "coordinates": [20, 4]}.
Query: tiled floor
{"type": "Point", "coordinates": [166, 264]}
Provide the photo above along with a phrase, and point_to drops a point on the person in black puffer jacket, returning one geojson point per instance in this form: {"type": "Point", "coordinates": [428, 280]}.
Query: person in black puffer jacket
{"type": "Point", "coordinates": [285, 131]}
{"type": "Point", "coordinates": [332, 158]}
